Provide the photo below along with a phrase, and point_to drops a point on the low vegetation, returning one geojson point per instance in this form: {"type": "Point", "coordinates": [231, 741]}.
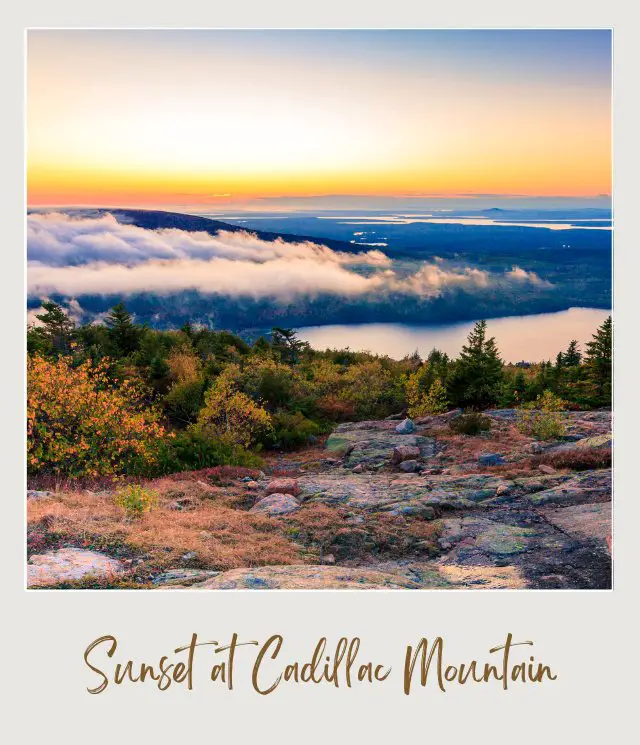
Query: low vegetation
{"type": "Point", "coordinates": [542, 418]}
{"type": "Point", "coordinates": [123, 401]}
{"type": "Point", "coordinates": [576, 459]}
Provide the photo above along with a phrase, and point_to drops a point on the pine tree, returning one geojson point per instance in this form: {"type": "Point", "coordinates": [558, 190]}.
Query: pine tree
{"type": "Point", "coordinates": [413, 360]}
{"type": "Point", "coordinates": [520, 387]}
{"type": "Point", "coordinates": [598, 361]}
{"type": "Point", "coordinates": [436, 401]}
{"type": "Point", "coordinates": [477, 377]}
{"type": "Point", "coordinates": [124, 334]}
{"type": "Point", "coordinates": [187, 330]}
{"type": "Point", "coordinates": [57, 328]}
{"type": "Point", "coordinates": [287, 345]}
{"type": "Point", "coordinates": [572, 356]}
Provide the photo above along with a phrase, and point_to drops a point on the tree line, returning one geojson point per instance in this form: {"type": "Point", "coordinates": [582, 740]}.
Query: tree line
{"type": "Point", "coordinates": [196, 397]}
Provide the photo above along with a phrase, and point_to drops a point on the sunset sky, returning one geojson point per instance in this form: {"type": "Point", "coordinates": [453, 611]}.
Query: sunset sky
{"type": "Point", "coordinates": [230, 117]}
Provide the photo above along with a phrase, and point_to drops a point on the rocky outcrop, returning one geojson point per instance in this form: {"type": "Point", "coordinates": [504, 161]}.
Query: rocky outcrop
{"type": "Point", "coordinates": [426, 509]}
{"type": "Point", "coordinates": [308, 577]}
{"type": "Point", "coordinates": [371, 443]}
{"type": "Point", "coordinates": [283, 486]}
{"type": "Point", "coordinates": [404, 452]}
{"type": "Point", "coordinates": [276, 504]}
{"type": "Point", "coordinates": [406, 427]}
{"type": "Point", "coordinates": [68, 565]}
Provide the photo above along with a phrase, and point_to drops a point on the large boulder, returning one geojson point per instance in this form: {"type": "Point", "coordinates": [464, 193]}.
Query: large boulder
{"type": "Point", "coordinates": [406, 427]}
{"type": "Point", "coordinates": [283, 486]}
{"type": "Point", "coordinates": [276, 504]}
{"type": "Point", "coordinates": [68, 565]}
{"type": "Point", "coordinates": [404, 452]}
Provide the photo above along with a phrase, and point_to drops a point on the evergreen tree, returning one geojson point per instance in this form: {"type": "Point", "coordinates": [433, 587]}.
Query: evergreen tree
{"type": "Point", "coordinates": [572, 356]}
{"type": "Point", "coordinates": [287, 345]}
{"type": "Point", "coordinates": [124, 334]}
{"type": "Point", "coordinates": [477, 378]}
{"type": "Point", "coordinates": [520, 387]}
{"type": "Point", "coordinates": [56, 329]}
{"type": "Point", "coordinates": [413, 360]}
{"type": "Point", "coordinates": [560, 361]}
{"type": "Point", "coordinates": [436, 401]}
{"type": "Point", "coordinates": [598, 361]}
{"type": "Point", "coordinates": [187, 330]}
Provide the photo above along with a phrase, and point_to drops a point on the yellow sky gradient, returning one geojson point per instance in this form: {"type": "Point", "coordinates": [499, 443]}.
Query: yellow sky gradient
{"type": "Point", "coordinates": [131, 120]}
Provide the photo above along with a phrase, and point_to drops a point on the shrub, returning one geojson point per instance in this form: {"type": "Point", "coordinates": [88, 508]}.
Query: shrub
{"type": "Point", "coordinates": [422, 402]}
{"type": "Point", "coordinates": [336, 409]}
{"type": "Point", "coordinates": [470, 424]}
{"type": "Point", "coordinates": [184, 400]}
{"type": "Point", "coordinates": [230, 414]}
{"type": "Point", "coordinates": [135, 500]}
{"type": "Point", "coordinates": [291, 430]}
{"type": "Point", "coordinates": [542, 418]}
{"type": "Point", "coordinates": [192, 450]}
{"type": "Point", "coordinates": [576, 459]}
{"type": "Point", "coordinates": [371, 389]}
{"type": "Point", "coordinates": [184, 366]}
{"type": "Point", "coordinates": [80, 424]}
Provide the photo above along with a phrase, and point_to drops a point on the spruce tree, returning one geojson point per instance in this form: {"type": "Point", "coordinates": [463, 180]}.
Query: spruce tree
{"type": "Point", "coordinates": [520, 387]}
{"type": "Point", "coordinates": [124, 334]}
{"type": "Point", "coordinates": [187, 330]}
{"type": "Point", "coordinates": [572, 356]}
{"type": "Point", "coordinates": [598, 364]}
{"type": "Point", "coordinates": [57, 328]}
{"type": "Point", "coordinates": [287, 345]}
{"type": "Point", "coordinates": [477, 377]}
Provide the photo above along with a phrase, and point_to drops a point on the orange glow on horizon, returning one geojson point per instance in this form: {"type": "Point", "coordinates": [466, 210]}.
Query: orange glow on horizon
{"type": "Point", "coordinates": [140, 119]}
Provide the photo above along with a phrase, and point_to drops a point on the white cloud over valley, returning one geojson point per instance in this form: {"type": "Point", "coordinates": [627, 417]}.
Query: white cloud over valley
{"type": "Point", "coordinates": [76, 256]}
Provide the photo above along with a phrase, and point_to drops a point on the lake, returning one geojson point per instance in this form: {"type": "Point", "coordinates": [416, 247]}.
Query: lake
{"type": "Point", "coordinates": [532, 338]}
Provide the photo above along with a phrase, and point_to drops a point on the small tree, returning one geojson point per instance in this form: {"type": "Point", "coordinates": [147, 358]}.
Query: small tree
{"type": "Point", "coordinates": [572, 356]}
{"type": "Point", "coordinates": [124, 334]}
{"type": "Point", "coordinates": [542, 418]}
{"type": "Point", "coordinates": [424, 403]}
{"type": "Point", "coordinates": [56, 331]}
{"type": "Point", "coordinates": [598, 364]}
{"type": "Point", "coordinates": [477, 377]}
{"type": "Point", "coordinates": [80, 424]}
{"type": "Point", "coordinates": [230, 414]}
{"type": "Point", "coordinates": [287, 345]}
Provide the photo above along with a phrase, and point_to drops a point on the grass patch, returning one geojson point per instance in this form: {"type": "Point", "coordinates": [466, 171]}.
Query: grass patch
{"type": "Point", "coordinates": [576, 459]}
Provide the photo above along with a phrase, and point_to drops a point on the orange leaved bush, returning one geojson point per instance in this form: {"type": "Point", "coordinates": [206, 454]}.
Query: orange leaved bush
{"type": "Point", "coordinates": [81, 424]}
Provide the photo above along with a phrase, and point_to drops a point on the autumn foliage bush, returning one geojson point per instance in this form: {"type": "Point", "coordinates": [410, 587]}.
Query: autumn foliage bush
{"type": "Point", "coordinates": [80, 424]}
{"type": "Point", "coordinates": [576, 459]}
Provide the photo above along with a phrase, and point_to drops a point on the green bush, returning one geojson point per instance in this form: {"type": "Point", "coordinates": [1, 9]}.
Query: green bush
{"type": "Point", "coordinates": [542, 418]}
{"type": "Point", "coordinates": [135, 500]}
{"type": "Point", "coordinates": [291, 429]}
{"type": "Point", "coordinates": [191, 451]}
{"type": "Point", "coordinates": [184, 400]}
{"type": "Point", "coordinates": [470, 424]}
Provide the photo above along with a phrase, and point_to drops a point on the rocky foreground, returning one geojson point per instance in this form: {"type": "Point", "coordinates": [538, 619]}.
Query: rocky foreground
{"type": "Point", "coordinates": [482, 512]}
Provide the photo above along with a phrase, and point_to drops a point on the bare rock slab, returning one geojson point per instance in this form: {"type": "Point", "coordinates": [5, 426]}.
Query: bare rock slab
{"type": "Point", "coordinates": [583, 520]}
{"type": "Point", "coordinates": [372, 443]}
{"type": "Point", "coordinates": [68, 564]}
{"type": "Point", "coordinates": [308, 577]}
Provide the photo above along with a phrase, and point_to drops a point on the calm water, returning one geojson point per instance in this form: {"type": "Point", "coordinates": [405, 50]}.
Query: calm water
{"type": "Point", "coordinates": [532, 338]}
